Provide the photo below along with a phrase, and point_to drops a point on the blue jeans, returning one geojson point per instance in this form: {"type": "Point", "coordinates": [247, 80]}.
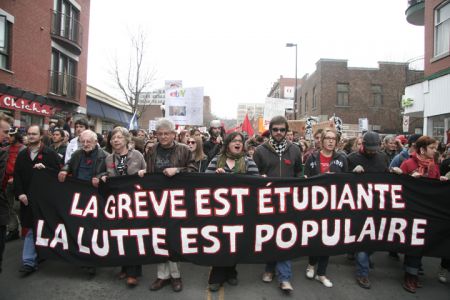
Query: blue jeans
{"type": "Point", "coordinates": [412, 264]}
{"type": "Point", "coordinates": [362, 264]}
{"type": "Point", "coordinates": [283, 270]}
{"type": "Point", "coordinates": [29, 255]}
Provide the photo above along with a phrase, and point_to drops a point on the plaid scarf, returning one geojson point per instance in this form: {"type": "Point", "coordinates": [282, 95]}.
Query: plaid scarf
{"type": "Point", "coordinates": [279, 147]}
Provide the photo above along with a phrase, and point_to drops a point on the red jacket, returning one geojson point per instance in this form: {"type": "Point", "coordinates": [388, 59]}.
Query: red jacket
{"type": "Point", "coordinates": [411, 165]}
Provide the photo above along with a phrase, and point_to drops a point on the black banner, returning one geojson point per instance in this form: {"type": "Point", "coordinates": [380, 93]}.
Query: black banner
{"type": "Point", "coordinates": [227, 219]}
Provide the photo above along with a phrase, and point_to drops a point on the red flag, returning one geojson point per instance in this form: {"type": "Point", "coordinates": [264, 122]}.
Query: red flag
{"type": "Point", "coordinates": [247, 126]}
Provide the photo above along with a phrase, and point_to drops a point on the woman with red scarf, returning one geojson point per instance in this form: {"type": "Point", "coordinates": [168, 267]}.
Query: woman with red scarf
{"type": "Point", "coordinates": [420, 164]}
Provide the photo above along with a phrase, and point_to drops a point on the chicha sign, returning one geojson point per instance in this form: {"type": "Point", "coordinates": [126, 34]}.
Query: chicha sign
{"type": "Point", "coordinates": [24, 105]}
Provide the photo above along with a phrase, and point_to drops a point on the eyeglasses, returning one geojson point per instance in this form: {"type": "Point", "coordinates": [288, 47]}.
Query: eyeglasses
{"type": "Point", "coordinates": [275, 129]}
{"type": "Point", "coordinates": [237, 141]}
{"type": "Point", "coordinates": [191, 142]}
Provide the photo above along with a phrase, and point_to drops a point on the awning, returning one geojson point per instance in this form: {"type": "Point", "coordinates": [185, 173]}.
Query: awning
{"type": "Point", "coordinates": [107, 112]}
{"type": "Point", "coordinates": [94, 108]}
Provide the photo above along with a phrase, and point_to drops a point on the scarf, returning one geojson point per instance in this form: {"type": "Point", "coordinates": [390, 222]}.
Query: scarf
{"type": "Point", "coordinates": [426, 165]}
{"type": "Point", "coordinates": [239, 162]}
{"type": "Point", "coordinates": [279, 147]}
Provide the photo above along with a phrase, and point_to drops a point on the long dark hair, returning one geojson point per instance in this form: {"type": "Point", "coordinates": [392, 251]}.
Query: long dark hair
{"type": "Point", "coordinates": [228, 140]}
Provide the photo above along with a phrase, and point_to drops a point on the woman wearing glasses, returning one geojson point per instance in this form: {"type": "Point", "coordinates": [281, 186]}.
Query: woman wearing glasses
{"type": "Point", "coordinates": [231, 159]}
{"type": "Point", "coordinates": [325, 160]}
{"type": "Point", "coordinates": [195, 145]}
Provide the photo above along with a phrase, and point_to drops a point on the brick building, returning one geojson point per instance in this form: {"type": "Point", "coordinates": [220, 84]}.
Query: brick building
{"type": "Point", "coordinates": [43, 59]}
{"type": "Point", "coordinates": [353, 93]}
{"type": "Point", "coordinates": [429, 100]}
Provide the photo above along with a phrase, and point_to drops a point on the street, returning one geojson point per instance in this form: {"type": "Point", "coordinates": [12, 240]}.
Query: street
{"type": "Point", "coordinates": [58, 280]}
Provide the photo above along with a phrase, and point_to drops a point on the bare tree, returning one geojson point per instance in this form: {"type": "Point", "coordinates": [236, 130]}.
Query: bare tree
{"type": "Point", "coordinates": [138, 77]}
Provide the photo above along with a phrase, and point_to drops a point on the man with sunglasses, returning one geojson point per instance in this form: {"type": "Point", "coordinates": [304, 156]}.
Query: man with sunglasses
{"type": "Point", "coordinates": [278, 157]}
{"type": "Point", "coordinates": [5, 124]}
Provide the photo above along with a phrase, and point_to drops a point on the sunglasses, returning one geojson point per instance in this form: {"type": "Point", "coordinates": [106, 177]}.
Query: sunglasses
{"type": "Point", "coordinates": [191, 142]}
{"type": "Point", "coordinates": [279, 129]}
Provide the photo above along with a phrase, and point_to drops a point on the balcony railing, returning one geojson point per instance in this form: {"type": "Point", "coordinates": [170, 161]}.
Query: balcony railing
{"type": "Point", "coordinates": [65, 86]}
{"type": "Point", "coordinates": [415, 12]}
{"type": "Point", "coordinates": [67, 28]}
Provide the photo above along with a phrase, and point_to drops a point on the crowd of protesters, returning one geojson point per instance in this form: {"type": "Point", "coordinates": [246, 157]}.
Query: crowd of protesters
{"type": "Point", "coordinates": [278, 152]}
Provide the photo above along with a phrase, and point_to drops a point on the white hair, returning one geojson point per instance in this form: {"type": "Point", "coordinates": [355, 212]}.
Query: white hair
{"type": "Point", "coordinates": [165, 124]}
{"type": "Point", "coordinates": [89, 134]}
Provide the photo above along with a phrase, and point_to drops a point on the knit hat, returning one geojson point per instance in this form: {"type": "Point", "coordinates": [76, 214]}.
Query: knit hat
{"type": "Point", "coordinates": [215, 123]}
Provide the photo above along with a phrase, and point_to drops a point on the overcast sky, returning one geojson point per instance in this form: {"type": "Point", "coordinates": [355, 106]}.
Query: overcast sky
{"type": "Point", "coordinates": [236, 49]}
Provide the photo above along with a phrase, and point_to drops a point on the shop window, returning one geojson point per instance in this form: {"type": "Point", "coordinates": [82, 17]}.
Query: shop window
{"type": "Point", "coordinates": [29, 119]}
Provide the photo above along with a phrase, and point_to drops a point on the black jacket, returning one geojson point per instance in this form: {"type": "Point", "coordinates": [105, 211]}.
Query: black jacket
{"type": "Point", "coordinates": [23, 173]}
{"type": "Point", "coordinates": [378, 163]}
{"type": "Point", "coordinates": [211, 149]}
{"type": "Point", "coordinates": [74, 163]}
{"type": "Point", "coordinates": [271, 164]}
{"type": "Point", "coordinates": [338, 164]}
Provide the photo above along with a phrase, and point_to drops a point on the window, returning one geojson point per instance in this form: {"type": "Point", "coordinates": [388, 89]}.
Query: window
{"type": "Point", "coordinates": [63, 74]}
{"type": "Point", "coordinates": [314, 98]}
{"type": "Point", "coordinates": [66, 22]}
{"type": "Point", "coordinates": [442, 30]}
{"type": "Point", "coordinates": [377, 95]}
{"type": "Point", "coordinates": [5, 28]}
{"type": "Point", "coordinates": [342, 94]}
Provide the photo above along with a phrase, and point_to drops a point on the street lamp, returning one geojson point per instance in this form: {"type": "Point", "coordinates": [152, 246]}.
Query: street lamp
{"type": "Point", "coordinates": [295, 89]}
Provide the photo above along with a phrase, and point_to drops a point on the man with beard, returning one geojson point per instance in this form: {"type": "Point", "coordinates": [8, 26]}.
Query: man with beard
{"type": "Point", "coordinates": [370, 160]}
{"type": "Point", "coordinates": [88, 164]}
{"type": "Point", "coordinates": [212, 146]}
{"type": "Point", "coordinates": [278, 157]}
{"type": "Point", "coordinates": [35, 156]}
{"type": "Point", "coordinates": [5, 124]}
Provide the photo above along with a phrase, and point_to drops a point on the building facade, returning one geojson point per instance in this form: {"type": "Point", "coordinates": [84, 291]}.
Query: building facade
{"type": "Point", "coordinates": [254, 111]}
{"type": "Point", "coordinates": [354, 93]}
{"type": "Point", "coordinates": [43, 59]}
{"type": "Point", "coordinates": [430, 99]}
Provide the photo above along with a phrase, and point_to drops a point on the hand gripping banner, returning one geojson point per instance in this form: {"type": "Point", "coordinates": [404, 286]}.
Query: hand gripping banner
{"type": "Point", "coordinates": [226, 219]}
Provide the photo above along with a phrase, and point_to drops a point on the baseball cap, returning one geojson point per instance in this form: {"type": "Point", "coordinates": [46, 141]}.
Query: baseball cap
{"type": "Point", "coordinates": [401, 138]}
{"type": "Point", "coordinates": [371, 141]}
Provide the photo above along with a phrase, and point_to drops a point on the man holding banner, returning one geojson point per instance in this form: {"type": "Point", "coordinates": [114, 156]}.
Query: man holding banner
{"type": "Point", "coordinates": [170, 158]}
{"type": "Point", "coordinates": [278, 158]}
{"type": "Point", "coordinates": [369, 160]}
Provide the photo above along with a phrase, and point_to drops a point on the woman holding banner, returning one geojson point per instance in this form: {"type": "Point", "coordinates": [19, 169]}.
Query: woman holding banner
{"type": "Point", "coordinates": [120, 162]}
{"type": "Point", "coordinates": [326, 160]}
{"type": "Point", "coordinates": [231, 159]}
{"type": "Point", "coordinates": [421, 164]}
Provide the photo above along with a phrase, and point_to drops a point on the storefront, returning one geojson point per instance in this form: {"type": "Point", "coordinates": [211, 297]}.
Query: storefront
{"type": "Point", "coordinates": [28, 108]}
